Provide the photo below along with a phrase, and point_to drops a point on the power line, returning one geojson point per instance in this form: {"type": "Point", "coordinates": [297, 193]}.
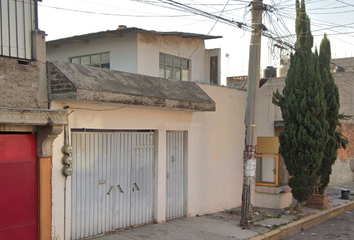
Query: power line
{"type": "Point", "coordinates": [352, 5]}
{"type": "Point", "coordinates": [219, 16]}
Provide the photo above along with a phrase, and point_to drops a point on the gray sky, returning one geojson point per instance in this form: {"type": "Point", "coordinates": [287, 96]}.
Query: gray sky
{"type": "Point", "coordinates": [64, 18]}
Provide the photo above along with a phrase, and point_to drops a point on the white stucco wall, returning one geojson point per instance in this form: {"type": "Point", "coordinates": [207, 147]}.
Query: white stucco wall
{"type": "Point", "coordinates": [151, 45]}
{"type": "Point", "coordinates": [139, 53]}
{"type": "Point", "coordinates": [123, 51]}
{"type": "Point", "coordinates": [215, 151]}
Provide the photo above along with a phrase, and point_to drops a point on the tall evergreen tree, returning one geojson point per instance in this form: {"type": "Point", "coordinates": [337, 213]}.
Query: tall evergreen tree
{"type": "Point", "coordinates": [335, 138]}
{"type": "Point", "coordinates": [304, 136]}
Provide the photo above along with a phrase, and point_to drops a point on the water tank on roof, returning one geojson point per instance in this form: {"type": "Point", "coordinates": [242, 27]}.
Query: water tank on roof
{"type": "Point", "coordinates": [339, 69]}
{"type": "Point", "coordinates": [270, 72]}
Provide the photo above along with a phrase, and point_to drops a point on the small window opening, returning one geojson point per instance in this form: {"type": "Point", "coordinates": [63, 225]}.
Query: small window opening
{"type": "Point", "coordinates": [22, 62]}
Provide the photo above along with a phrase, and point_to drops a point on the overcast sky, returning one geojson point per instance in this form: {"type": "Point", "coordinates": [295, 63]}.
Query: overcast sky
{"type": "Point", "coordinates": [64, 18]}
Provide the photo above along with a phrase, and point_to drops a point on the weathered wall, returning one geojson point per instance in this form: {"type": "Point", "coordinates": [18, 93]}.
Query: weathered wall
{"type": "Point", "coordinates": [19, 83]}
{"type": "Point", "coordinates": [151, 45]}
{"type": "Point", "coordinates": [343, 169]}
{"type": "Point", "coordinates": [215, 150]}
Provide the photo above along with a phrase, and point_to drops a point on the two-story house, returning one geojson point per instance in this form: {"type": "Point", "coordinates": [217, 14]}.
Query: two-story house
{"type": "Point", "coordinates": [171, 55]}
{"type": "Point", "coordinates": [150, 142]}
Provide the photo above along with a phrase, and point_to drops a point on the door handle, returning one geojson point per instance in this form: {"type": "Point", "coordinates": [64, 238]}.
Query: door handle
{"type": "Point", "coordinates": [120, 189]}
{"type": "Point", "coordinates": [137, 187]}
{"type": "Point", "coordinates": [110, 190]}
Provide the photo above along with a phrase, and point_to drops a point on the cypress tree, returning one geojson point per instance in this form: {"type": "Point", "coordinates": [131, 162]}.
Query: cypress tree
{"type": "Point", "coordinates": [335, 138]}
{"type": "Point", "coordinates": [302, 102]}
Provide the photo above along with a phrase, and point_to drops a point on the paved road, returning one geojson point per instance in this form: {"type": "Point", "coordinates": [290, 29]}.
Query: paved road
{"type": "Point", "coordinates": [339, 228]}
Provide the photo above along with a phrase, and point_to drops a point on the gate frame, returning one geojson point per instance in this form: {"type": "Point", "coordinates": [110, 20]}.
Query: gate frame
{"type": "Point", "coordinates": [47, 124]}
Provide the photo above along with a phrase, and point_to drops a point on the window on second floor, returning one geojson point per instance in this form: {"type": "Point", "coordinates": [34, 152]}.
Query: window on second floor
{"type": "Point", "coordinates": [100, 60]}
{"type": "Point", "coordinates": [172, 67]}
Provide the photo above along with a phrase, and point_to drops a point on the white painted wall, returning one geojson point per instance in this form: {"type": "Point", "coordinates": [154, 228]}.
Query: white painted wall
{"type": "Point", "coordinates": [139, 53]}
{"type": "Point", "coordinates": [151, 45]}
{"type": "Point", "coordinates": [215, 151]}
{"type": "Point", "coordinates": [123, 51]}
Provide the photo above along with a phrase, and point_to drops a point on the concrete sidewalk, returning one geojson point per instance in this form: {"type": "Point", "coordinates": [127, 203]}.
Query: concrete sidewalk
{"type": "Point", "coordinates": [269, 223]}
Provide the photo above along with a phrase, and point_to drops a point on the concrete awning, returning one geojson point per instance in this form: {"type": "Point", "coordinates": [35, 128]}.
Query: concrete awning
{"type": "Point", "coordinates": [69, 81]}
{"type": "Point", "coordinates": [37, 117]}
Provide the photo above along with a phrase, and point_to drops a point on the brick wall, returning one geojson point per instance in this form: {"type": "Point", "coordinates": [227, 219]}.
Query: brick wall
{"type": "Point", "coordinates": [348, 131]}
{"type": "Point", "coordinates": [58, 82]}
{"type": "Point", "coordinates": [19, 83]}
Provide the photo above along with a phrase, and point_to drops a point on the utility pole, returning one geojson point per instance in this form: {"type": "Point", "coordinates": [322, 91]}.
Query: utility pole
{"type": "Point", "coordinates": [251, 117]}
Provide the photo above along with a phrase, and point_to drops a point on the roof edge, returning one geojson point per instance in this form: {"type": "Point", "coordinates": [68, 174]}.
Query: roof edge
{"type": "Point", "coordinates": [108, 97]}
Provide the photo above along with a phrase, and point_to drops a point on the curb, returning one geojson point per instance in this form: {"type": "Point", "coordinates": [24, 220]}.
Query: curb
{"type": "Point", "coordinates": [304, 223]}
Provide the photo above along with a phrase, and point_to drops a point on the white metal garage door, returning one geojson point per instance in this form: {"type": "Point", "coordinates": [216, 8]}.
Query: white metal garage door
{"type": "Point", "coordinates": [176, 174]}
{"type": "Point", "coordinates": [113, 181]}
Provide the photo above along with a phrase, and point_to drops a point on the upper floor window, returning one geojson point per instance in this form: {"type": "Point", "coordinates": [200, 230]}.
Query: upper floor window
{"type": "Point", "coordinates": [100, 60]}
{"type": "Point", "coordinates": [172, 67]}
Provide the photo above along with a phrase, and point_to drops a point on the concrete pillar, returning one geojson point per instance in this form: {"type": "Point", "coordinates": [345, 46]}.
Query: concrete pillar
{"type": "Point", "coordinates": [45, 138]}
{"type": "Point", "coordinates": [40, 56]}
{"type": "Point", "coordinates": [160, 171]}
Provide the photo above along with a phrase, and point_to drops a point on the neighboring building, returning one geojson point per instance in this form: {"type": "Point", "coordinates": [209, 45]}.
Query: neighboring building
{"type": "Point", "coordinates": [271, 122]}
{"type": "Point", "coordinates": [342, 64]}
{"type": "Point", "coordinates": [27, 127]}
{"type": "Point", "coordinates": [171, 55]}
{"type": "Point", "coordinates": [238, 82]}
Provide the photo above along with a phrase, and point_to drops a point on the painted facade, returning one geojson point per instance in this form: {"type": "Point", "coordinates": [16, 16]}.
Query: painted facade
{"type": "Point", "coordinates": [137, 51]}
{"type": "Point", "coordinates": [215, 142]}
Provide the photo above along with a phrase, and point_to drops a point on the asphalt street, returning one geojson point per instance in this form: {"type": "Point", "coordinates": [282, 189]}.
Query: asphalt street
{"type": "Point", "coordinates": [339, 228]}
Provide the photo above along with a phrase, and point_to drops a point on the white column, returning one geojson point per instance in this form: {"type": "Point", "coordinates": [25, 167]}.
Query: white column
{"type": "Point", "coordinates": [160, 176]}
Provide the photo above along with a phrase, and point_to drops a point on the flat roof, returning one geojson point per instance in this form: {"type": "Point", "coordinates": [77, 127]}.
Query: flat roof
{"type": "Point", "coordinates": [120, 32]}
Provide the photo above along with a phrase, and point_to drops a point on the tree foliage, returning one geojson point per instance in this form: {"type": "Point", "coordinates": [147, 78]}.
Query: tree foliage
{"type": "Point", "coordinates": [304, 137]}
{"type": "Point", "coordinates": [335, 138]}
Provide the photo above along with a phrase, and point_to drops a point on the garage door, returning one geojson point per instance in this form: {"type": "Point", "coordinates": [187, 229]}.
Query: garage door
{"type": "Point", "coordinates": [113, 181]}
{"type": "Point", "coordinates": [18, 187]}
{"type": "Point", "coordinates": [176, 174]}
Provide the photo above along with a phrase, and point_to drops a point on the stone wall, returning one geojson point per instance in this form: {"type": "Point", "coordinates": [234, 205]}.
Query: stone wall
{"type": "Point", "coordinates": [19, 83]}
{"type": "Point", "coordinates": [58, 82]}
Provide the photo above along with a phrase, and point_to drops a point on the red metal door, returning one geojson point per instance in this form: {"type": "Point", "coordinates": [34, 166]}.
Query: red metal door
{"type": "Point", "coordinates": [18, 187]}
